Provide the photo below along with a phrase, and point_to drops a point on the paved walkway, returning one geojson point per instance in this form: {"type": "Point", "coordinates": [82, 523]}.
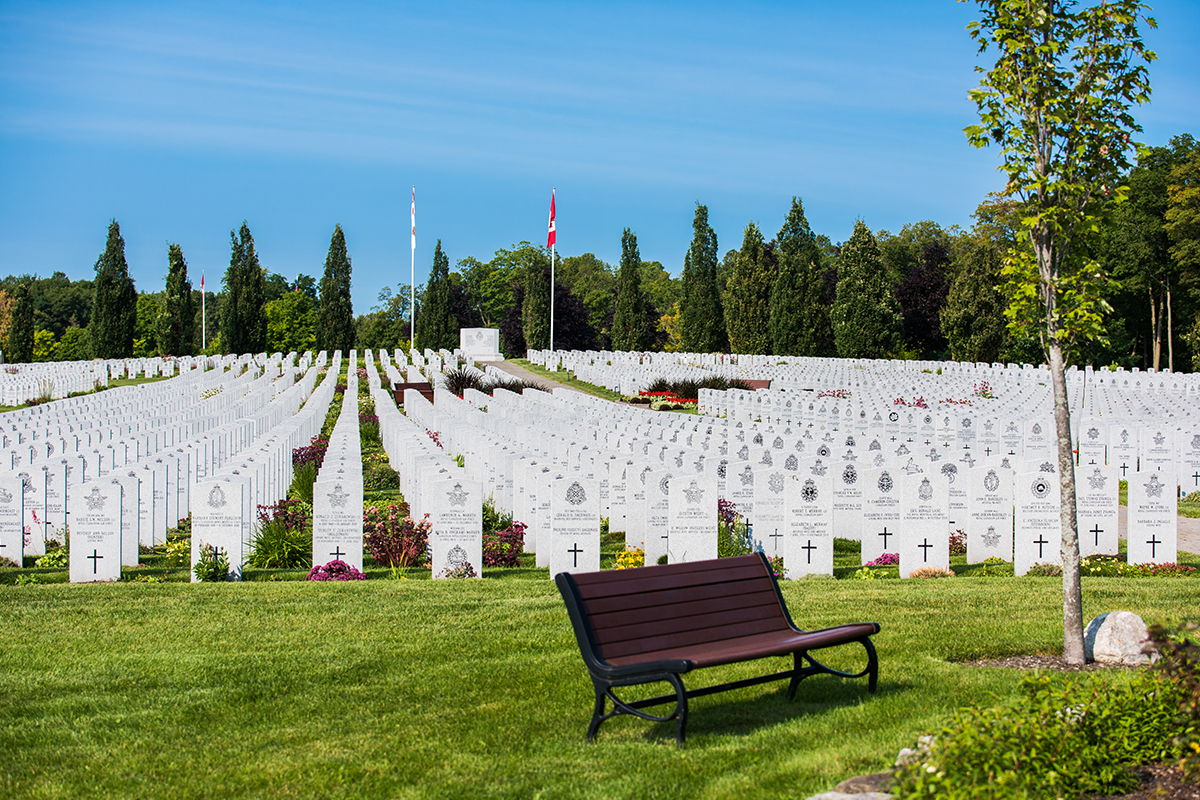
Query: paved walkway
{"type": "Point", "coordinates": [518, 371]}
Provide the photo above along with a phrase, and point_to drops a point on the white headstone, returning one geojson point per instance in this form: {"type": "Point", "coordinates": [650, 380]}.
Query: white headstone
{"type": "Point", "coordinates": [95, 533]}
{"type": "Point", "coordinates": [456, 538]}
{"type": "Point", "coordinates": [809, 544]}
{"type": "Point", "coordinates": [219, 520]}
{"type": "Point", "coordinates": [691, 519]}
{"type": "Point", "coordinates": [12, 529]}
{"type": "Point", "coordinates": [1097, 510]}
{"type": "Point", "coordinates": [881, 513]}
{"type": "Point", "coordinates": [1152, 518]}
{"type": "Point", "coordinates": [924, 517]}
{"type": "Point", "coordinates": [337, 522]}
{"type": "Point", "coordinates": [989, 519]}
{"type": "Point", "coordinates": [575, 505]}
{"type": "Point", "coordinates": [1038, 534]}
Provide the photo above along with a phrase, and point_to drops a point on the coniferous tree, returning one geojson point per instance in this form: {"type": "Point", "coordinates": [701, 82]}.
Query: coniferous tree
{"type": "Point", "coordinates": [866, 317]}
{"type": "Point", "coordinates": [114, 303]}
{"type": "Point", "coordinates": [701, 320]}
{"type": "Point", "coordinates": [535, 311]}
{"type": "Point", "coordinates": [748, 296]}
{"type": "Point", "coordinates": [243, 321]}
{"type": "Point", "coordinates": [972, 320]}
{"type": "Point", "coordinates": [799, 320]}
{"type": "Point", "coordinates": [177, 321]}
{"type": "Point", "coordinates": [437, 327]}
{"type": "Point", "coordinates": [335, 315]}
{"type": "Point", "coordinates": [629, 328]}
{"type": "Point", "coordinates": [20, 329]}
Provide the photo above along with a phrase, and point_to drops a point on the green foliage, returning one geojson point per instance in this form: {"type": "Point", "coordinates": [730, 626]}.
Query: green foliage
{"type": "Point", "coordinates": [145, 337]}
{"type": "Point", "coordinates": [176, 325]}
{"type": "Point", "coordinates": [114, 301]}
{"type": "Point", "coordinates": [243, 324]}
{"type": "Point", "coordinates": [865, 315]}
{"type": "Point", "coordinates": [733, 538]}
{"type": "Point", "coordinates": [20, 329]}
{"type": "Point", "coordinates": [386, 327]}
{"type": "Point", "coordinates": [212, 566]}
{"type": "Point", "coordinates": [973, 318]}
{"type": "Point", "coordinates": [1179, 662]}
{"type": "Point", "coordinates": [335, 316]}
{"type": "Point", "coordinates": [179, 551]}
{"type": "Point", "coordinates": [748, 296]}
{"type": "Point", "coordinates": [799, 320]}
{"type": "Point", "coordinates": [291, 323]}
{"type": "Point", "coordinates": [304, 476]}
{"type": "Point", "coordinates": [58, 558]}
{"type": "Point", "coordinates": [1067, 738]}
{"type": "Point", "coordinates": [629, 327]}
{"type": "Point", "coordinates": [701, 317]}
{"type": "Point", "coordinates": [437, 327]}
{"type": "Point", "coordinates": [494, 519]}
{"type": "Point", "coordinates": [535, 311]}
{"type": "Point", "coordinates": [1182, 218]}
{"type": "Point", "coordinates": [275, 546]}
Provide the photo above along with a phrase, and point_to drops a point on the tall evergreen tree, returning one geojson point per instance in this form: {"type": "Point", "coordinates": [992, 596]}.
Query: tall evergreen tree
{"type": "Point", "coordinates": [629, 328]}
{"type": "Point", "coordinates": [335, 315]}
{"type": "Point", "coordinates": [114, 303]}
{"type": "Point", "coordinates": [972, 320]}
{"type": "Point", "coordinates": [535, 312]}
{"type": "Point", "coordinates": [437, 327]}
{"type": "Point", "coordinates": [701, 320]}
{"type": "Point", "coordinates": [176, 324]}
{"type": "Point", "coordinates": [243, 321]}
{"type": "Point", "coordinates": [799, 319]}
{"type": "Point", "coordinates": [748, 296]}
{"type": "Point", "coordinates": [866, 317]}
{"type": "Point", "coordinates": [20, 328]}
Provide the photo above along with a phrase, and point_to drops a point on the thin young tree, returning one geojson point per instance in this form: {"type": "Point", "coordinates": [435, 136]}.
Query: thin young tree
{"type": "Point", "coordinates": [629, 328]}
{"type": "Point", "coordinates": [177, 322]}
{"type": "Point", "coordinates": [335, 315]}
{"type": "Point", "coordinates": [114, 300]}
{"type": "Point", "coordinates": [1057, 102]}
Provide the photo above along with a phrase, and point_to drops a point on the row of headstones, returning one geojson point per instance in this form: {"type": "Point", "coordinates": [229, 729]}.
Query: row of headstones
{"type": "Point", "coordinates": [338, 491]}
{"type": "Point", "coordinates": [1027, 519]}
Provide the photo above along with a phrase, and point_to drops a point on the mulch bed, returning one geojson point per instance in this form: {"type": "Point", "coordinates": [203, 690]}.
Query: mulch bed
{"type": "Point", "coordinates": [1043, 662]}
{"type": "Point", "coordinates": [1159, 782]}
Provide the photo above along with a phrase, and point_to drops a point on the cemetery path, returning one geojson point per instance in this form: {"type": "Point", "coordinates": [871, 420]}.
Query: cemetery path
{"type": "Point", "coordinates": [520, 372]}
{"type": "Point", "coordinates": [1189, 531]}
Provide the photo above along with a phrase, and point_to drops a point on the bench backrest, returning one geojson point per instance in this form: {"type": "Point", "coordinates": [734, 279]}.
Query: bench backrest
{"type": "Point", "coordinates": [635, 611]}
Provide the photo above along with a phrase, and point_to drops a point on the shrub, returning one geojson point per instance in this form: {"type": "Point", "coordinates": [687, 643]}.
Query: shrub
{"type": "Point", "coordinates": [1067, 737]}
{"type": "Point", "coordinates": [458, 380]}
{"type": "Point", "coordinates": [885, 560]}
{"type": "Point", "coordinates": [733, 535]}
{"type": "Point", "coordinates": [930, 572]}
{"type": "Point", "coordinates": [1167, 570]}
{"type": "Point", "coordinates": [1045, 570]}
{"type": "Point", "coordinates": [313, 453]}
{"type": "Point", "coordinates": [393, 540]}
{"type": "Point", "coordinates": [8, 563]}
{"type": "Point", "coordinates": [1179, 662]}
{"type": "Point", "coordinates": [368, 432]}
{"type": "Point", "coordinates": [304, 476]}
{"type": "Point", "coordinates": [777, 567]}
{"type": "Point", "coordinates": [512, 384]}
{"type": "Point", "coordinates": [502, 548]}
{"type": "Point", "coordinates": [958, 542]}
{"type": "Point", "coordinates": [212, 566]}
{"type": "Point", "coordinates": [336, 570]}
{"type": "Point", "coordinates": [55, 559]}
{"type": "Point", "coordinates": [179, 552]}
{"type": "Point", "coordinates": [868, 574]}
{"type": "Point", "coordinates": [494, 519]}
{"type": "Point", "coordinates": [276, 546]}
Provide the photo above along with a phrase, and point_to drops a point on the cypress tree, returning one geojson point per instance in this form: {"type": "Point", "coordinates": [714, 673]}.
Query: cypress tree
{"type": "Point", "coordinates": [629, 331]}
{"type": "Point", "coordinates": [535, 312]}
{"type": "Point", "coordinates": [335, 315]}
{"type": "Point", "coordinates": [20, 328]}
{"type": "Point", "coordinates": [176, 324]}
{"type": "Point", "coordinates": [701, 321]}
{"type": "Point", "coordinates": [866, 316]}
{"type": "Point", "coordinates": [243, 322]}
{"type": "Point", "coordinates": [114, 303]}
{"type": "Point", "coordinates": [799, 320]}
{"type": "Point", "coordinates": [437, 327]}
{"type": "Point", "coordinates": [748, 296]}
{"type": "Point", "coordinates": [973, 318]}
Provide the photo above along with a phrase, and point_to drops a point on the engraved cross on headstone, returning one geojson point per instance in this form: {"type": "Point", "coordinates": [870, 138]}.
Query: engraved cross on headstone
{"type": "Point", "coordinates": [809, 547]}
{"type": "Point", "coordinates": [576, 551]}
{"type": "Point", "coordinates": [925, 545]}
{"type": "Point", "coordinates": [94, 557]}
{"type": "Point", "coordinates": [1040, 542]}
{"type": "Point", "coordinates": [884, 533]}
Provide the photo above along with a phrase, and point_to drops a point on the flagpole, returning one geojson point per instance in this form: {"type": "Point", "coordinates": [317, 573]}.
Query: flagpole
{"type": "Point", "coordinates": [553, 240]}
{"type": "Point", "coordinates": [203, 317]}
{"type": "Point", "coordinates": [412, 280]}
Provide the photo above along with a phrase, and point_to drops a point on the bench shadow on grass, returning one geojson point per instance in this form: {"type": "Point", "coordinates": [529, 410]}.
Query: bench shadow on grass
{"type": "Point", "coordinates": [744, 712]}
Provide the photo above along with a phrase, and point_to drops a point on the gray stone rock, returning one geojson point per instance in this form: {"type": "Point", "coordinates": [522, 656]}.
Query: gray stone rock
{"type": "Point", "coordinates": [844, 796]}
{"type": "Point", "coordinates": [1116, 637]}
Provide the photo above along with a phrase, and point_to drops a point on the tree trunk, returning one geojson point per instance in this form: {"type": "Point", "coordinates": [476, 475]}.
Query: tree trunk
{"type": "Point", "coordinates": [1170, 333]}
{"type": "Point", "coordinates": [1072, 593]}
{"type": "Point", "coordinates": [1155, 329]}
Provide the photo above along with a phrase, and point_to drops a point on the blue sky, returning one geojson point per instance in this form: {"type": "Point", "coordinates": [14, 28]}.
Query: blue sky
{"type": "Point", "coordinates": [180, 120]}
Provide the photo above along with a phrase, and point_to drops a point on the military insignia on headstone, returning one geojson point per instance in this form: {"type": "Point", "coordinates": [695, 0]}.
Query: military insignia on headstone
{"type": "Point", "coordinates": [879, 460]}
{"type": "Point", "coordinates": [26, 483]}
{"type": "Point", "coordinates": [1047, 467]}
{"type": "Point", "coordinates": [885, 483]}
{"type": "Point", "coordinates": [874, 445]}
{"type": "Point", "coordinates": [679, 460]}
{"type": "Point", "coordinates": [456, 560]}
{"type": "Point", "coordinates": [1159, 438]}
{"type": "Point", "coordinates": [775, 482]}
{"type": "Point", "coordinates": [991, 481]}
{"type": "Point", "coordinates": [766, 459]}
{"type": "Point", "coordinates": [1093, 433]}
{"type": "Point", "coordinates": [1196, 442]}
{"type": "Point", "coordinates": [693, 493]}
{"type": "Point", "coordinates": [893, 417]}
{"type": "Point", "coordinates": [1004, 463]}
{"type": "Point", "coordinates": [1037, 429]}
{"type": "Point", "coordinates": [823, 451]}
{"type": "Point", "coordinates": [1040, 488]}
{"type": "Point", "coordinates": [849, 475]}
{"type": "Point", "coordinates": [664, 485]}
{"type": "Point", "coordinates": [925, 490]}
{"type": "Point", "coordinates": [1125, 436]}
{"type": "Point", "coordinates": [791, 464]}
{"type": "Point", "coordinates": [95, 500]}
{"type": "Point", "coordinates": [778, 443]}
{"type": "Point", "coordinates": [746, 476]}
{"type": "Point", "coordinates": [850, 442]}
{"type": "Point", "coordinates": [575, 494]}
{"type": "Point", "coordinates": [338, 497]}
{"type": "Point", "coordinates": [966, 422]}
{"type": "Point", "coordinates": [5, 496]}
{"type": "Point", "coordinates": [216, 498]}
{"type": "Point", "coordinates": [1011, 428]}
{"type": "Point", "coordinates": [819, 468]}
{"type": "Point", "coordinates": [902, 450]}
{"type": "Point", "coordinates": [1096, 480]}
{"type": "Point", "coordinates": [744, 453]}
{"type": "Point", "coordinates": [645, 472]}
{"type": "Point", "coordinates": [934, 455]}
{"type": "Point", "coordinates": [457, 496]}
{"type": "Point", "coordinates": [699, 464]}
{"type": "Point", "coordinates": [1155, 487]}
{"type": "Point", "coordinates": [723, 449]}
{"type": "Point", "coordinates": [809, 491]}
{"type": "Point", "coordinates": [912, 468]}
{"type": "Point", "coordinates": [758, 440]}
{"type": "Point", "coordinates": [950, 471]}
{"type": "Point", "coordinates": [968, 460]}
{"type": "Point", "coordinates": [990, 537]}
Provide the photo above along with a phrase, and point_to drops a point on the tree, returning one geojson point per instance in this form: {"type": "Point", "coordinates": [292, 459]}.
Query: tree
{"type": "Point", "coordinates": [1057, 101]}
{"type": "Point", "coordinates": [178, 318]}
{"type": "Point", "coordinates": [386, 326]}
{"type": "Point", "coordinates": [291, 323]}
{"type": "Point", "coordinates": [1182, 224]}
{"type": "Point", "coordinates": [114, 303]}
{"type": "Point", "coordinates": [865, 315]}
{"type": "Point", "coordinates": [701, 318]}
{"type": "Point", "coordinates": [145, 335]}
{"type": "Point", "coordinates": [73, 346]}
{"type": "Point", "coordinates": [629, 329]}
{"type": "Point", "coordinates": [799, 320]}
{"type": "Point", "coordinates": [243, 323]}
{"type": "Point", "coordinates": [921, 294]}
{"type": "Point", "coordinates": [437, 328]}
{"type": "Point", "coordinates": [335, 317]}
{"type": "Point", "coordinates": [972, 320]}
{"type": "Point", "coordinates": [748, 295]}
{"type": "Point", "coordinates": [20, 329]}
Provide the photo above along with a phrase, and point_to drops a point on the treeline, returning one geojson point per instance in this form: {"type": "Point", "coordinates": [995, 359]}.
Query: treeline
{"type": "Point", "coordinates": [925, 292]}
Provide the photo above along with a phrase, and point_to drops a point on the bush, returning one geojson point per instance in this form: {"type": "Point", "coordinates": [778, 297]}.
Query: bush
{"type": "Point", "coordinates": [1179, 662]}
{"type": "Point", "coordinates": [733, 535]}
{"type": "Point", "coordinates": [213, 565]}
{"type": "Point", "coordinates": [304, 476]}
{"type": "Point", "coordinates": [958, 542]}
{"type": "Point", "coordinates": [313, 453]}
{"type": "Point", "coordinates": [393, 540]}
{"type": "Point", "coordinates": [930, 572]}
{"type": "Point", "coordinates": [55, 559]}
{"type": "Point", "coordinates": [275, 546]}
{"type": "Point", "coordinates": [1045, 570]}
{"type": "Point", "coordinates": [885, 560]}
{"type": "Point", "coordinates": [336, 570]}
{"type": "Point", "coordinates": [1066, 738]}
{"type": "Point", "coordinates": [458, 380]}
{"type": "Point", "coordinates": [179, 552]}
{"type": "Point", "coordinates": [8, 563]}
{"type": "Point", "coordinates": [502, 548]}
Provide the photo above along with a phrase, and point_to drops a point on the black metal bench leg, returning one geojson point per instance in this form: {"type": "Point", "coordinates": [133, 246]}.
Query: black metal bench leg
{"type": "Point", "coordinates": [598, 713]}
{"type": "Point", "coordinates": [872, 665]}
{"type": "Point", "coordinates": [797, 675]}
{"type": "Point", "coordinates": [681, 709]}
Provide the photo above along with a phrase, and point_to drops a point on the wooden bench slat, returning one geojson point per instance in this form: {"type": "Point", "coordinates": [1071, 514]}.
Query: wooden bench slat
{"type": "Point", "coordinates": [606, 605]}
{"type": "Point", "coordinates": [696, 624]}
{"type": "Point", "coordinates": [684, 639]}
{"type": "Point", "coordinates": [639, 584]}
{"type": "Point", "coordinates": [658, 611]}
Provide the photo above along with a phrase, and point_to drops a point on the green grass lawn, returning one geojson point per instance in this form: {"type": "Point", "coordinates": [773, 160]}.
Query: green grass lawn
{"type": "Point", "coordinates": [417, 688]}
{"type": "Point", "coordinates": [565, 378]}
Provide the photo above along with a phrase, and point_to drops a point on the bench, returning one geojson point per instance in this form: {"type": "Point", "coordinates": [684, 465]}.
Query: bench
{"type": "Point", "coordinates": [652, 624]}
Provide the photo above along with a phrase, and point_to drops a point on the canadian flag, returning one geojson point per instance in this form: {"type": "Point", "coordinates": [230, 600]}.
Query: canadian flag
{"type": "Point", "coordinates": [201, 283]}
{"type": "Point", "coordinates": [414, 218]}
{"type": "Point", "coordinates": [550, 237]}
